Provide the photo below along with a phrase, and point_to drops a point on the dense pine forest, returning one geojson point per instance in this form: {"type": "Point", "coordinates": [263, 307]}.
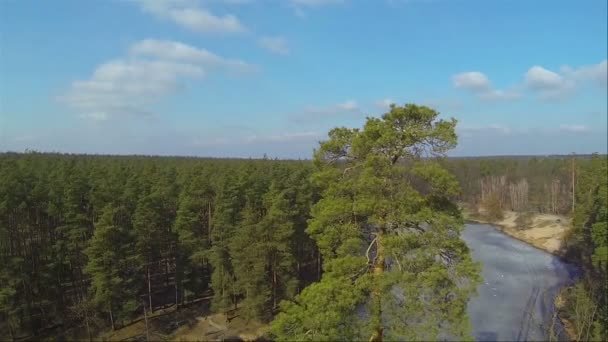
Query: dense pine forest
{"type": "Point", "coordinates": [93, 241]}
{"type": "Point", "coordinates": [587, 302]}
{"type": "Point", "coordinates": [324, 249]}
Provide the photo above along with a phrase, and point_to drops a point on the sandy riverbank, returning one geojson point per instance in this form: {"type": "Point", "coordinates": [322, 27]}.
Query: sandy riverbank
{"type": "Point", "coordinates": [544, 231]}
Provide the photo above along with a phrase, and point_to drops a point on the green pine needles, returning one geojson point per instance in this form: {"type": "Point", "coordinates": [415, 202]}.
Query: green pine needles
{"type": "Point", "coordinates": [394, 265]}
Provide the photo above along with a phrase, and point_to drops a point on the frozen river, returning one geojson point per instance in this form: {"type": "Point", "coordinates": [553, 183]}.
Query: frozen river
{"type": "Point", "coordinates": [515, 299]}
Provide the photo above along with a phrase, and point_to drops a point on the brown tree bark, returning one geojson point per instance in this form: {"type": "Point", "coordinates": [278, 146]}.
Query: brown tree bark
{"type": "Point", "coordinates": [149, 288]}
{"type": "Point", "coordinates": [378, 270]}
{"type": "Point", "coordinates": [112, 319]}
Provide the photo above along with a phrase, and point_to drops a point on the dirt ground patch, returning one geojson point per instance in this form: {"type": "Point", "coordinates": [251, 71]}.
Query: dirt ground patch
{"type": "Point", "coordinates": [192, 323]}
{"type": "Point", "coordinates": [214, 327]}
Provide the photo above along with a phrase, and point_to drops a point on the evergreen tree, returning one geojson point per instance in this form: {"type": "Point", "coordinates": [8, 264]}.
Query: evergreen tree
{"type": "Point", "coordinates": [394, 263]}
{"type": "Point", "coordinates": [228, 205]}
{"type": "Point", "coordinates": [277, 232]}
{"type": "Point", "coordinates": [113, 265]}
{"type": "Point", "coordinates": [262, 255]}
{"type": "Point", "coordinates": [149, 232]}
{"type": "Point", "coordinates": [250, 264]}
{"type": "Point", "coordinates": [588, 244]}
{"type": "Point", "coordinates": [193, 229]}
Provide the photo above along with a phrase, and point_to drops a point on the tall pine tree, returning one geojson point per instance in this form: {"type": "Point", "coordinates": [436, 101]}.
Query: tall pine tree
{"type": "Point", "coordinates": [113, 265]}
{"type": "Point", "coordinates": [394, 264]}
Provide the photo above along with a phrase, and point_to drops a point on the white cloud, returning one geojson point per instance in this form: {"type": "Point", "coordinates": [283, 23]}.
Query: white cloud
{"type": "Point", "coordinates": [274, 44]}
{"type": "Point", "coordinates": [285, 137]}
{"type": "Point", "coordinates": [256, 139]}
{"type": "Point", "coordinates": [472, 80]}
{"type": "Point", "coordinates": [171, 50]}
{"type": "Point", "coordinates": [346, 106]}
{"type": "Point", "coordinates": [349, 106]}
{"type": "Point", "coordinates": [540, 78]}
{"type": "Point", "coordinates": [596, 73]}
{"type": "Point", "coordinates": [312, 113]}
{"type": "Point", "coordinates": [127, 86]}
{"type": "Point", "coordinates": [498, 95]}
{"type": "Point", "coordinates": [124, 87]}
{"type": "Point", "coordinates": [574, 128]}
{"type": "Point", "coordinates": [189, 15]}
{"type": "Point", "coordinates": [546, 84]}
{"type": "Point", "coordinates": [299, 5]}
{"type": "Point", "coordinates": [479, 84]}
{"type": "Point", "coordinates": [469, 130]}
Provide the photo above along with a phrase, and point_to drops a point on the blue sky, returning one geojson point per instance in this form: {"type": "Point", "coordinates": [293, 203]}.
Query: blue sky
{"type": "Point", "coordinates": [241, 78]}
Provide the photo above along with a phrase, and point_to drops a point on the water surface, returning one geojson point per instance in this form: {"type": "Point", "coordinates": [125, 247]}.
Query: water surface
{"type": "Point", "coordinates": [515, 299]}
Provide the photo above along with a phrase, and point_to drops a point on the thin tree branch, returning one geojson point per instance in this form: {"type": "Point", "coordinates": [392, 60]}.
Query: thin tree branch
{"type": "Point", "coordinates": [368, 249]}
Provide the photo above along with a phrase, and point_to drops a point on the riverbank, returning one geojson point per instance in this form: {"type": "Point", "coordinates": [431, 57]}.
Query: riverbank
{"type": "Point", "coordinates": [521, 280]}
{"type": "Point", "coordinates": [544, 231]}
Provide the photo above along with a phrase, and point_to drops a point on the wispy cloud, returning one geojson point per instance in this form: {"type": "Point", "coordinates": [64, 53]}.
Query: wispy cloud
{"type": "Point", "coordinates": [545, 84]}
{"type": "Point", "coordinates": [190, 15]}
{"type": "Point", "coordinates": [300, 5]}
{"type": "Point", "coordinates": [177, 51]}
{"type": "Point", "coordinates": [548, 84]}
{"type": "Point", "coordinates": [597, 73]}
{"type": "Point", "coordinates": [471, 80]}
{"type": "Point", "coordinates": [574, 128]}
{"type": "Point", "coordinates": [346, 106]}
{"type": "Point", "coordinates": [314, 113]}
{"type": "Point", "coordinates": [468, 130]}
{"type": "Point", "coordinates": [276, 45]}
{"type": "Point", "coordinates": [285, 137]}
{"type": "Point", "coordinates": [153, 70]}
{"type": "Point", "coordinates": [479, 84]}
{"type": "Point", "coordinates": [257, 139]}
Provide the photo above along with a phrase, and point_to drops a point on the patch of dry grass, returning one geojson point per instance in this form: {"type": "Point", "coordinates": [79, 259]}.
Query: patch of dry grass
{"type": "Point", "coordinates": [192, 323]}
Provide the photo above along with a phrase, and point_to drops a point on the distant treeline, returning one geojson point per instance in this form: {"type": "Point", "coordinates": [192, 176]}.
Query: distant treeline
{"type": "Point", "coordinates": [527, 157]}
{"type": "Point", "coordinates": [523, 184]}
{"type": "Point", "coordinates": [92, 241]}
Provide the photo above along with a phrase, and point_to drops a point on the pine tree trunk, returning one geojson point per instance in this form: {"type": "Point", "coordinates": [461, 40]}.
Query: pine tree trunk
{"type": "Point", "coordinates": [318, 265]}
{"type": "Point", "coordinates": [274, 283]}
{"type": "Point", "coordinates": [176, 293]}
{"type": "Point", "coordinates": [11, 333]}
{"type": "Point", "coordinates": [146, 321]}
{"type": "Point", "coordinates": [112, 319]}
{"type": "Point", "coordinates": [149, 289]}
{"type": "Point", "coordinates": [86, 322]}
{"type": "Point", "coordinates": [299, 276]}
{"type": "Point", "coordinates": [167, 271]}
{"type": "Point", "coordinates": [209, 221]}
{"type": "Point", "coordinates": [376, 292]}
